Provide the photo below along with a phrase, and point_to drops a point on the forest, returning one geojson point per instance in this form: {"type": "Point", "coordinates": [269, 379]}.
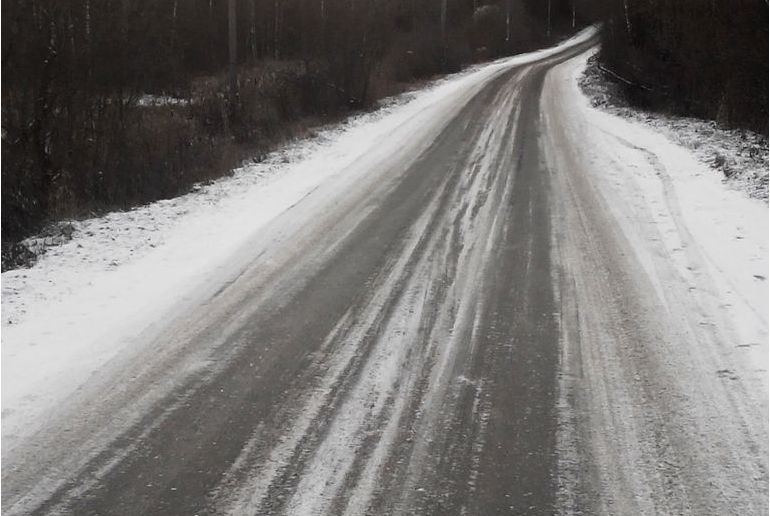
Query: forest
{"type": "Point", "coordinates": [112, 103]}
{"type": "Point", "coordinates": [707, 59]}
{"type": "Point", "coordinates": [108, 104]}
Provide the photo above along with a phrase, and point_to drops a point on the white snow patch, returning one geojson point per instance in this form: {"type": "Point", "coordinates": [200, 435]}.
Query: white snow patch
{"type": "Point", "coordinates": [149, 100]}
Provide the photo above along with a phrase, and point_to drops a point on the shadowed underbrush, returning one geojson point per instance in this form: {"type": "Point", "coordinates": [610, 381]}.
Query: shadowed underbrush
{"type": "Point", "coordinates": [115, 104]}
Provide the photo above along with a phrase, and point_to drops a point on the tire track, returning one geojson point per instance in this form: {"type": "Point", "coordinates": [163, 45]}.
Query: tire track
{"type": "Point", "coordinates": [406, 362]}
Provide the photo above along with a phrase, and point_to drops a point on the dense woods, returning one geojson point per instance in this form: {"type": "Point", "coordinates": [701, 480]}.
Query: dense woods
{"type": "Point", "coordinates": [107, 104]}
{"type": "Point", "coordinates": [112, 103]}
{"type": "Point", "coordinates": [700, 58]}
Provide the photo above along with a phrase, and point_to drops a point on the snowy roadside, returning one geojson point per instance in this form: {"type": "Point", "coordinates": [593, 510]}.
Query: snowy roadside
{"type": "Point", "coordinates": [89, 299]}
{"type": "Point", "coordinates": [663, 386]}
{"type": "Point", "coordinates": [739, 156]}
{"type": "Point", "coordinates": [728, 230]}
{"type": "Point", "coordinates": [677, 214]}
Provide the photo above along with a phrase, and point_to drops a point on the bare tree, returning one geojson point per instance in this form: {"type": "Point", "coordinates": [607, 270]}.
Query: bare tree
{"type": "Point", "coordinates": [508, 25]}
{"type": "Point", "coordinates": [233, 52]}
{"type": "Point", "coordinates": [443, 22]}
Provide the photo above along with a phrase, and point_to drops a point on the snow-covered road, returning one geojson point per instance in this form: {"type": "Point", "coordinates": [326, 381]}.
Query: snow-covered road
{"type": "Point", "coordinates": [487, 298]}
{"type": "Point", "coordinates": [664, 305]}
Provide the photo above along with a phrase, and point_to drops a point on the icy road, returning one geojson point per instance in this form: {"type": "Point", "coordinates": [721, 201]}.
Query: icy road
{"type": "Point", "coordinates": [492, 300]}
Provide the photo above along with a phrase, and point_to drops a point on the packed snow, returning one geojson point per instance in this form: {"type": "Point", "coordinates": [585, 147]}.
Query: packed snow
{"type": "Point", "coordinates": [88, 299]}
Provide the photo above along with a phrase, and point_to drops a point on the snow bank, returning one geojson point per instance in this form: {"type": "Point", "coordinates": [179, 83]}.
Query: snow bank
{"type": "Point", "coordinates": [88, 300]}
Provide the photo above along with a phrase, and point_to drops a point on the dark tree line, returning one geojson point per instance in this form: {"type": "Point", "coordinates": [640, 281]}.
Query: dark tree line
{"type": "Point", "coordinates": [107, 104]}
{"type": "Point", "coordinates": [704, 58]}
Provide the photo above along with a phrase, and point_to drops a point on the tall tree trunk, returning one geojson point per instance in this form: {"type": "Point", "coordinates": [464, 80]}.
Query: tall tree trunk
{"type": "Point", "coordinates": [88, 40]}
{"type": "Point", "coordinates": [233, 47]}
{"type": "Point", "coordinates": [573, 14]}
{"type": "Point", "coordinates": [628, 19]}
{"type": "Point", "coordinates": [443, 35]}
{"type": "Point", "coordinates": [174, 64]}
{"type": "Point", "coordinates": [39, 130]}
{"type": "Point", "coordinates": [253, 29]}
{"type": "Point", "coordinates": [323, 24]}
{"type": "Point", "coordinates": [276, 29]}
{"type": "Point", "coordinates": [508, 25]}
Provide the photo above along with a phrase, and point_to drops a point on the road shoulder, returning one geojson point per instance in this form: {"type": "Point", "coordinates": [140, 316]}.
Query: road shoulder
{"type": "Point", "coordinates": [667, 316]}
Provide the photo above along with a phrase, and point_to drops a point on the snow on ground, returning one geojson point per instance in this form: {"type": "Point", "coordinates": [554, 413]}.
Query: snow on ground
{"type": "Point", "coordinates": [714, 235]}
{"type": "Point", "coordinates": [88, 299]}
{"type": "Point", "coordinates": [161, 100]}
{"type": "Point", "coordinates": [663, 387]}
{"type": "Point", "coordinates": [740, 156]}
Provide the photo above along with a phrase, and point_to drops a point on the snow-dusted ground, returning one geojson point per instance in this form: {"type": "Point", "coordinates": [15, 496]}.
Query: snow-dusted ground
{"type": "Point", "coordinates": [86, 301]}
{"type": "Point", "coordinates": [687, 347]}
{"type": "Point", "coordinates": [740, 157]}
{"type": "Point", "coordinates": [676, 171]}
{"type": "Point", "coordinates": [161, 100]}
